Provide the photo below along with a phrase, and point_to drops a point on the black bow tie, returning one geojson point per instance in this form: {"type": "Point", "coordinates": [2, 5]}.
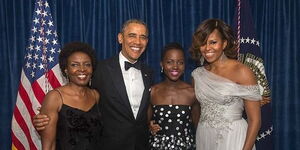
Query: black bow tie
{"type": "Point", "coordinates": [136, 65]}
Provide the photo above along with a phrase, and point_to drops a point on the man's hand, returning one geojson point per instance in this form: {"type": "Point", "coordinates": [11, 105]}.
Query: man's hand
{"type": "Point", "coordinates": [40, 121]}
{"type": "Point", "coordinates": [265, 100]}
{"type": "Point", "coordinates": [154, 128]}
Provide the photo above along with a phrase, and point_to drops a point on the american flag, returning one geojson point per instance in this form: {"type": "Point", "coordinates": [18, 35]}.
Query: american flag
{"type": "Point", "coordinates": [249, 54]}
{"type": "Point", "coordinates": [40, 73]}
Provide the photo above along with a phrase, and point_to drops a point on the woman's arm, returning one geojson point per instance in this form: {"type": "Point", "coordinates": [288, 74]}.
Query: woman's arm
{"type": "Point", "coordinates": [252, 108]}
{"type": "Point", "coordinates": [50, 107]}
{"type": "Point", "coordinates": [195, 113]}
{"type": "Point", "coordinates": [153, 127]}
{"type": "Point", "coordinates": [254, 120]}
{"type": "Point", "coordinates": [195, 107]}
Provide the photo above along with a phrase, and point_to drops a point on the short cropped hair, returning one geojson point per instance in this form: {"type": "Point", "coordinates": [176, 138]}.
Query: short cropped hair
{"type": "Point", "coordinates": [71, 48]}
{"type": "Point", "coordinates": [171, 46]}
{"type": "Point", "coordinates": [137, 21]}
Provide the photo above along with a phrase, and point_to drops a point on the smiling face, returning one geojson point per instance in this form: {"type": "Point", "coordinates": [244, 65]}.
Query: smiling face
{"type": "Point", "coordinates": [212, 50]}
{"type": "Point", "coordinates": [134, 40]}
{"type": "Point", "coordinates": [79, 68]}
{"type": "Point", "coordinates": [173, 64]}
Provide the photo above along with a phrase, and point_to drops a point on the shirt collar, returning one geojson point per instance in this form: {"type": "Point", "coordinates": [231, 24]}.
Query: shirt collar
{"type": "Point", "coordinates": [122, 60]}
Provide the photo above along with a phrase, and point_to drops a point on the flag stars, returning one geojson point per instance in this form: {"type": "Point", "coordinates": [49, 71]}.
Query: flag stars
{"type": "Point", "coordinates": [32, 74]}
{"type": "Point", "coordinates": [247, 40]}
{"type": "Point", "coordinates": [40, 3]}
{"type": "Point", "coordinates": [29, 56]}
{"type": "Point", "coordinates": [54, 42]}
{"type": "Point", "coordinates": [55, 33]}
{"type": "Point", "coordinates": [44, 14]}
{"type": "Point", "coordinates": [257, 43]}
{"type": "Point", "coordinates": [43, 57]}
{"type": "Point", "coordinates": [51, 59]}
{"type": "Point", "coordinates": [50, 23]}
{"type": "Point", "coordinates": [38, 48]}
{"type": "Point", "coordinates": [46, 4]}
{"type": "Point", "coordinates": [52, 50]}
{"type": "Point", "coordinates": [30, 47]}
{"type": "Point", "coordinates": [250, 41]}
{"type": "Point", "coordinates": [27, 65]}
{"type": "Point", "coordinates": [242, 40]}
{"type": "Point", "coordinates": [264, 134]}
{"type": "Point", "coordinates": [32, 38]}
{"type": "Point", "coordinates": [45, 49]}
{"type": "Point", "coordinates": [33, 65]}
{"type": "Point", "coordinates": [40, 39]}
{"type": "Point", "coordinates": [38, 11]}
{"type": "Point", "coordinates": [253, 41]}
{"type": "Point", "coordinates": [36, 56]}
{"type": "Point", "coordinates": [34, 29]}
{"type": "Point", "coordinates": [43, 22]}
{"type": "Point", "coordinates": [46, 41]}
{"type": "Point", "coordinates": [36, 20]}
{"type": "Point", "coordinates": [48, 32]}
{"type": "Point", "coordinates": [41, 66]}
{"type": "Point", "coordinates": [41, 30]}
{"type": "Point", "coordinates": [268, 132]}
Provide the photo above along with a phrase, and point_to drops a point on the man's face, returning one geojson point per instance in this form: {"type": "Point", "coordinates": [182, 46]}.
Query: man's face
{"type": "Point", "coordinates": [134, 40]}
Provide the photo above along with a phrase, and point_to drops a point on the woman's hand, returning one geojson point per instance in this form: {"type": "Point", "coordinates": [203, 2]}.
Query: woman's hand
{"type": "Point", "coordinates": [153, 127]}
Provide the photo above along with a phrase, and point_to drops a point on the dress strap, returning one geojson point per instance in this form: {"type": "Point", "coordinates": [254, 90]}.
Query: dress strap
{"type": "Point", "coordinates": [62, 100]}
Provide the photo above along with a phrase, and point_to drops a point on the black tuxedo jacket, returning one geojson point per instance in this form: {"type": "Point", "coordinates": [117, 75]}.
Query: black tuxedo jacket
{"type": "Point", "coordinates": [121, 131]}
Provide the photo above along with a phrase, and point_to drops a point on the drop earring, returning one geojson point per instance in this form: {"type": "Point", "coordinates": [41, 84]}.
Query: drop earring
{"type": "Point", "coordinates": [201, 60]}
{"type": "Point", "coordinates": [90, 82]}
{"type": "Point", "coordinates": [162, 70]}
{"type": "Point", "coordinates": [223, 57]}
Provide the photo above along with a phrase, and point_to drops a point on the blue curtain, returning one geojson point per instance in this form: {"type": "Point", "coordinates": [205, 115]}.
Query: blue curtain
{"type": "Point", "coordinates": [97, 22]}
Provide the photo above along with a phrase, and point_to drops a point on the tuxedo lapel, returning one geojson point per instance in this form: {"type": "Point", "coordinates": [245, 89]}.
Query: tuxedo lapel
{"type": "Point", "coordinates": [118, 81]}
{"type": "Point", "coordinates": [147, 85]}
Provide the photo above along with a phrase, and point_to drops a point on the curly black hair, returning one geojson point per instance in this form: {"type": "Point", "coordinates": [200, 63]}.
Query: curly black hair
{"type": "Point", "coordinates": [71, 48]}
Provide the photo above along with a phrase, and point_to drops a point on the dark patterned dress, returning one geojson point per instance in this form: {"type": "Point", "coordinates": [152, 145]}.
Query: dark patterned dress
{"type": "Point", "coordinates": [177, 128]}
{"type": "Point", "coordinates": [77, 129]}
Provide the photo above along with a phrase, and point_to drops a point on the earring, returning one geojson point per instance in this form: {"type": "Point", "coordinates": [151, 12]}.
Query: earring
{"type": "Point", "coordinates": [223, 57]}
{"type": "Point", "coordinates": [201, 60]}
{"type": "Point", "coordinates": [67, 77]}
{"type": "Point", "coordinates": [90, 82]}
{"type": "Point", "coordinates": [162, 70]}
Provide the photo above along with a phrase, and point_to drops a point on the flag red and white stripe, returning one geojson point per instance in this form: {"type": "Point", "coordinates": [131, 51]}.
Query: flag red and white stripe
{"type": "Point", "coordinates": [40, 73]}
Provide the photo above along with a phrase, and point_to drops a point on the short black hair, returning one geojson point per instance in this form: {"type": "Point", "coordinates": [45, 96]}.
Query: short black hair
{"type": "Point", "coordinates": [137, 21]}
{"type": "Point", "coordinates": [171, 46]}
{"type": "Point", "coordinates": [71, 48]}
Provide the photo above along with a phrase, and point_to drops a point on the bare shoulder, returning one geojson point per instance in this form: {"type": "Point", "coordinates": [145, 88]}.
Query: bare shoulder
{"type": "Point", "coordinates": [52, 95]}
{"type": "Point", "coordinates": [188, 88]}
{"type": "Point", "coordinates": [96, 94]}
{"type": "Point", "coordinates": [52, 101]}
{"type": "Point", "coordinates": [243, 74]}
{"type": "Point", "coordinates": [156, 87]}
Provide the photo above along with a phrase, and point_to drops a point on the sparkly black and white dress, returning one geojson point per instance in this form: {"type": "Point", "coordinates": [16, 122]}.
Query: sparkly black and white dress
{"type": "Point", "coordinates": [177, 128]}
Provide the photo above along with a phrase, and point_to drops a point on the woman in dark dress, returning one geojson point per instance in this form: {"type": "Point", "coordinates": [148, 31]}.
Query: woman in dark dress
{"type": "Point", "coordinates": [173, 108]}
{"type": "Point", "coordinates": [75, 118]}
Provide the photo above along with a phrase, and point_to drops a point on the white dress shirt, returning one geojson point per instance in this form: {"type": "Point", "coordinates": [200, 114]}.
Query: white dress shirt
{"type": "Point", "coordinates": [134, 84]}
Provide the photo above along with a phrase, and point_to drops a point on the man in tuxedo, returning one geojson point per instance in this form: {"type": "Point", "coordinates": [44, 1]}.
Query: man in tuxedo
{"type": "Point", "coordinates": [124, 86]}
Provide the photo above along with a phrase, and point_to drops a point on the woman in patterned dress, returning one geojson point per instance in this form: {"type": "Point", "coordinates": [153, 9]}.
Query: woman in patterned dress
{"type": "Point", "coordinates": [173, 106]}
{"type": "Point", "coordinates": [224, 87]}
